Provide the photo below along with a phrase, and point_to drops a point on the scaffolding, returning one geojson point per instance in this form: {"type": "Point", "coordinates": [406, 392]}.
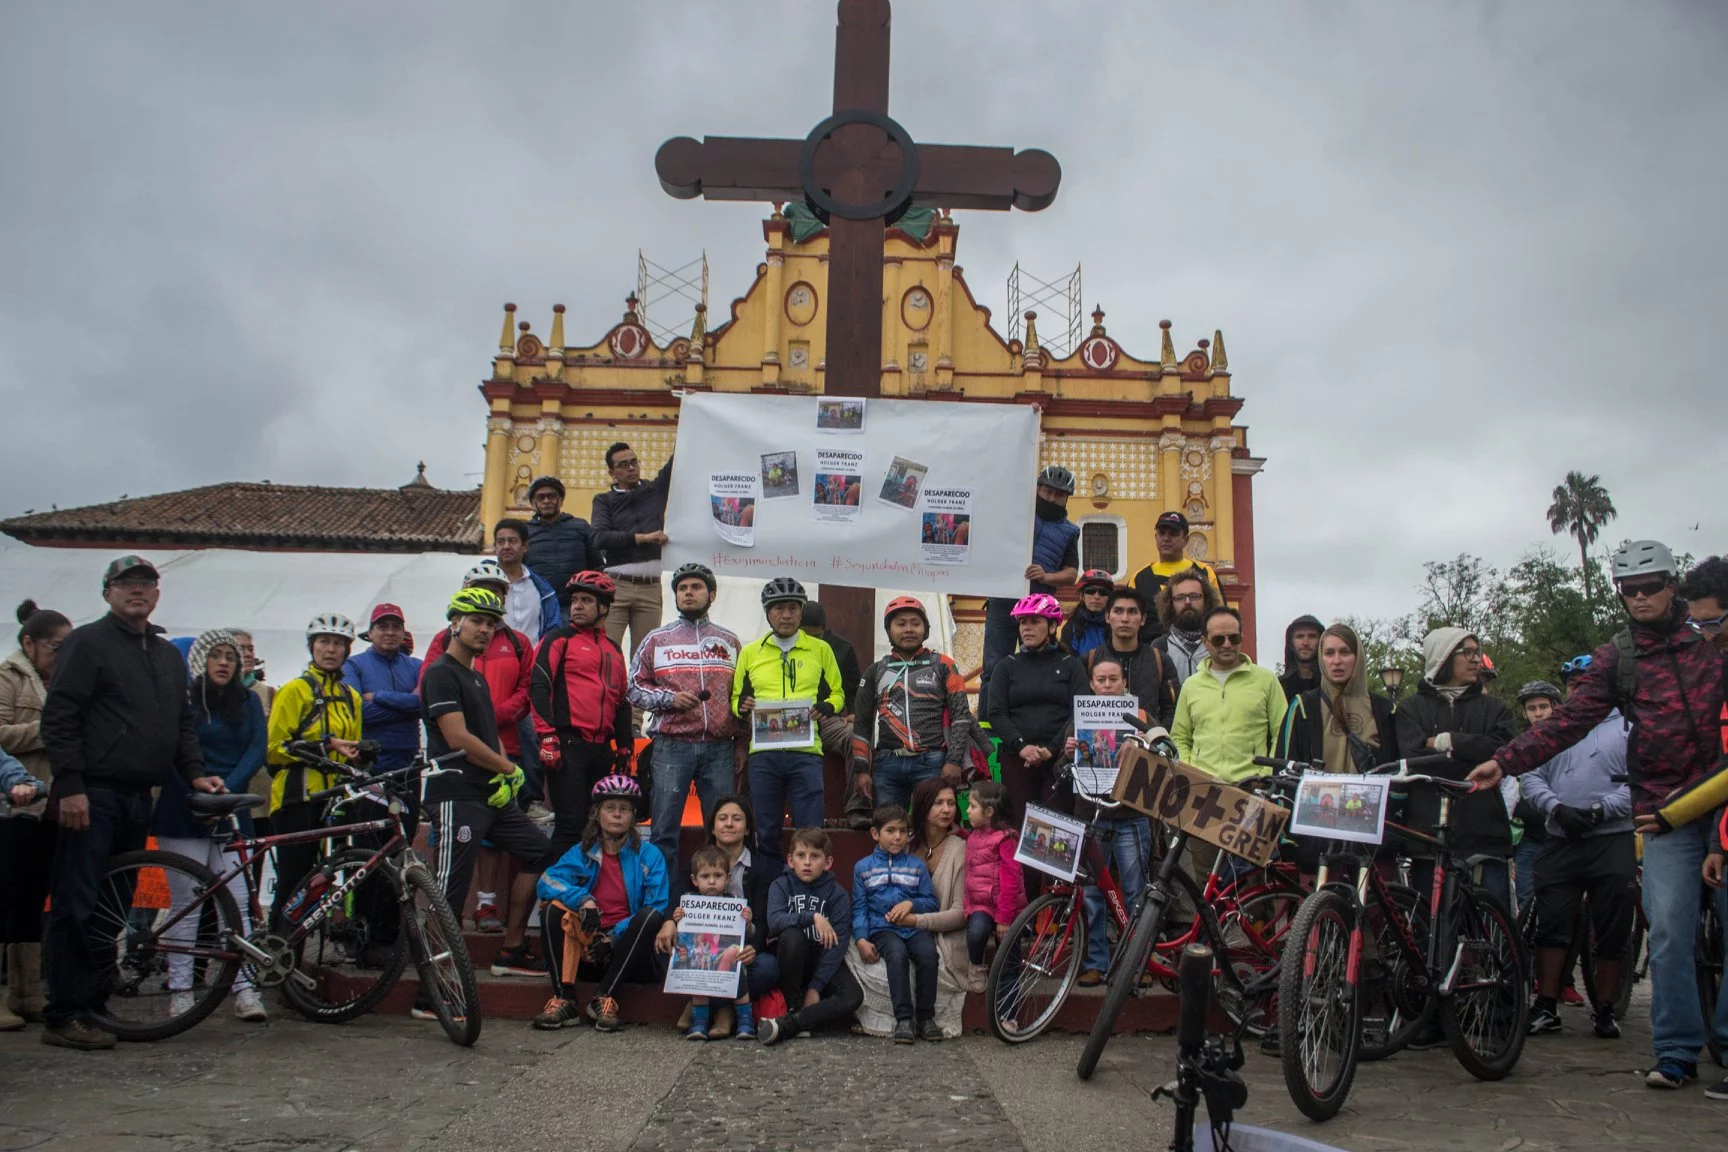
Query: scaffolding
{"type": "Point", "coordinates": [666, 298]}
{"type": "Point", "coordinates": [1057, 303]}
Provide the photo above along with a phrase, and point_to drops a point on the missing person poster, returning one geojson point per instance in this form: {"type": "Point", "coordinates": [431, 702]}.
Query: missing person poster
{"type": "Point", "coordinates": [732, 503]}
{"type": "Point", "coordinates": [843, 417]}
{"type": "Point", "coordinates": [839, 484]}
{"type": "Point", "coordinates": [779, 474]}
{"type": "Point", "coordinates": [1098, 732]}
{"type": "Point", "coordinates": [945, 528]}
{"type": "Point", "coordinates": [782, 724]}
{"type": "Point", "coordinates": [706, 951]}
{"type": "Point", "coordinates": [1050, 842]}
{"type": "Point", "coordinates": [1341, 807]}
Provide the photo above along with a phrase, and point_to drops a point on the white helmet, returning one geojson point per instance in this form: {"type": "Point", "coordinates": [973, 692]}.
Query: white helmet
{"type": "Point", "coordinates": [485, 572]}
{"type": "Point", "coordinates": [1643, 558]}
{"type": "Point", "coordinates": [330, 624]}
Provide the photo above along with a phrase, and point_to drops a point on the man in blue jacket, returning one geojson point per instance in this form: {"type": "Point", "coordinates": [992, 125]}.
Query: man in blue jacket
{"type": "Point", "coordinates": [559, 544]}
{"type": "Point", "coordinates": [388, 681]}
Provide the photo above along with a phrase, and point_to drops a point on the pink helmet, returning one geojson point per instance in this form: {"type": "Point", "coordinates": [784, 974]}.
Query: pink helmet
{"type": "Point", "coordinates": [617, 784]}
{"type": "Point", "coordinates": [1039, 604]}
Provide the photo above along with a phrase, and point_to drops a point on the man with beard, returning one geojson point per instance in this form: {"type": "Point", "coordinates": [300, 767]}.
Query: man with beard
{"type": "Point", "coordinates": [1301, 657]}
{"type": "Point", "coordinates": [1183, 602]}
{"type": "Point", "coordinates": [1055, 564]}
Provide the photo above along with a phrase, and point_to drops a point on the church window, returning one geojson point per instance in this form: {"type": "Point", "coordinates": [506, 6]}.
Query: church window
{"type": "Point", "coordinates": [1104, 544]}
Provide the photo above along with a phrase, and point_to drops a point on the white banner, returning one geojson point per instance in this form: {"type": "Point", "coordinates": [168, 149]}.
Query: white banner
{"type": "Point", "coordinates": [908, 494]}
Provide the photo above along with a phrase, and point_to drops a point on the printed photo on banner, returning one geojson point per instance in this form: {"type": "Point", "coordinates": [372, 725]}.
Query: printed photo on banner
{"type": "Point", "coordinates": [905, 479]}
{"type": "Point", "coordinates": [705, 956]}
{"type": "Point", "coordinates": [945, 529]}
{"type": "Point", "coordinates": [782, 724]}
{"type": "Point", "coordinates": [841, 416]}
{"type": "Point", "coordinates": [779, 474]}
{"type": "Point", "coordinates": [1098, 732]}
{"type": "Point", "coordinates": [1050, 842]}
{"type": "Point", "coordinates": [839, 484]}
{"type": "Point", "coordinates": [732, 502]}
{"type": "Point", "coordinates": [1341, 807]}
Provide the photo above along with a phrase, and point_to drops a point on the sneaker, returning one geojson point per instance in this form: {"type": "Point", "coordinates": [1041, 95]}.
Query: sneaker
{"type": "Point", "coordinates": [931, 1031]}
{"type": "Point", "coordinates": [486, 920]}
{"type": "Point", "coordinates": [746, 1030]}
{"type": "Point", "coordinates": [1571, 997]}
{"type": "Point", "coordinates": [1607, 1028]}
{"type": "Point", "coordinates": [249, 1006]}
{"type": "Point", "coordinates": [1670, 1073]}
{"type": "Point", "coordinates": [977, 978]}
{"type": "Point", "coordinates": [1542, 1020]}
{"type": "Point", "coordinates": [422, 1010]}
{"type": "Point", "coordinates": [557, 1013]}
{"type": "Point", "coordinates": [773, 1031]}
{"type": "Point", "coordinates": [1090, 978]}
{"type": "Point", "coordinates": [903, 1032]}
{"type": "Point", "coordinates": [79, 1034]}
{"type": "Point", "coordinates": [696, 1033]}
{"type": "Point", "coordinates": [180, 1003]}
{"type": "Point", "coordinates": [540, 814]}
{"type": "Point", "coordinates": [518, 961]}
{"type": "Point", "coordinates": [1717, 1091]}
{"type": "Point", "coordinates": [1270, 1044]}
{"type": "Point", "coordinates": [604, 1012]}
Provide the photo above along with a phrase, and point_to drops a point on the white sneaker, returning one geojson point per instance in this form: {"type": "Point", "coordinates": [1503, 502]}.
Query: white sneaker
{"type": "Point", "coordinates": [249, 1006]}
{"type": "Point", "coordinates": [181, 1003]}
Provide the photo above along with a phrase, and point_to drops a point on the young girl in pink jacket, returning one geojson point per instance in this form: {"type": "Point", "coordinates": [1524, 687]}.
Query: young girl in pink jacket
{"type": "Point", "coordinates": [995, 888]}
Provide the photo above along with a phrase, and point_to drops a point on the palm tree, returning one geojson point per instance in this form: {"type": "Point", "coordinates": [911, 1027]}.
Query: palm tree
{"type": "Point", "coordinates": [1581, 507]}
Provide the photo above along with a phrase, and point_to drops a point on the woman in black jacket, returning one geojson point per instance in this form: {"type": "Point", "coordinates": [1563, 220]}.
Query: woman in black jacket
{"type": "Point", "coordinates": [1341, 723]}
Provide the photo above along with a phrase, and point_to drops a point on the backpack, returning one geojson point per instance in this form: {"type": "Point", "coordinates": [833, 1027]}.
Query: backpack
{"type": "Point", "coordinates": [320, 703]}
{"type": "Point", "coordinates": [1625, 670]}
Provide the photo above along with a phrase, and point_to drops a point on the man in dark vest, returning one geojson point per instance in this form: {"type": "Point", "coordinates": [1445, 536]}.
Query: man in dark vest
{"type": "Point", "coordinates": [1055, 564]}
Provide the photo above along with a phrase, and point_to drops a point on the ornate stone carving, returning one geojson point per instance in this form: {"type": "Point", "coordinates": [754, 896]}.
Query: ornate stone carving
{"type": "Point", "coordinates": [1130, 465]}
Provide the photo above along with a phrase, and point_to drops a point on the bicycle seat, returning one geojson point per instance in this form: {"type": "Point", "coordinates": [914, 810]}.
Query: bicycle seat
{"type": "Point", "coordinates": [214, 806]}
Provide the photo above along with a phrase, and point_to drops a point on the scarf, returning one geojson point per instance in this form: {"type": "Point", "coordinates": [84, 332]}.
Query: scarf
{"type": "Point", "coordinates": [1185, 650]}
{"type": "Point", "coordinates": [1349, 729]}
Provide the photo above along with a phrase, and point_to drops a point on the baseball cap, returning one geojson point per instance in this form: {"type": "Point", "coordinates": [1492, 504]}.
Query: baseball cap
{"type": "Point", "coordinates": [384, 612]}
{"type": "Point", "coordinates": [126, 566]}
{"type": "Point", "coordinates": [1172, 520]}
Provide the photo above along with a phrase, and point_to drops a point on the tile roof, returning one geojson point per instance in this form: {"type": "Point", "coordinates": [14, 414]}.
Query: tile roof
{"type": "Point", "coordinates": [242, 515]}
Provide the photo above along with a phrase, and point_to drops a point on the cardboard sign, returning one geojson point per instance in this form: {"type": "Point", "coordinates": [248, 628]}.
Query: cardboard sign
{"type": "Point", "coordinates": [1203, 806]}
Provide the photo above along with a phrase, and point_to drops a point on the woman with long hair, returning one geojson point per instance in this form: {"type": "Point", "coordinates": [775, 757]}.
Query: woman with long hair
{"type": "Point", "coordinates": [1341, 722]}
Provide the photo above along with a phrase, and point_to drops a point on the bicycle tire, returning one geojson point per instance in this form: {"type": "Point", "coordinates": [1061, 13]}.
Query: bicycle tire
{"type": "Point", "coordinates": [1316, 971]}
{"type": "Point", "coordinates": [1126, 968]}
{"type": "Point", "coordinates": [441, 956]}
{"type": "Point", "coordinates": [330, 953]}
{"type": "Point", "coordinates": [1397, 996]}
{"type": "Point", "coordinates": [1486, 929]}
{"type": "Point", "coordinates": [1707, 960]}
{"type": "Point", "coordinates": [1057, 923]}
{"type": "Point", "coordinates": [120, 886]}
{"type": "Point", "coordinates": [1262, 917]}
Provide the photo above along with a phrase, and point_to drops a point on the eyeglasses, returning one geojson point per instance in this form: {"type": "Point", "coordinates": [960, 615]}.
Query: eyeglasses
{"type": "Point", "coordinates": [134, 583]}
{"type": "Point", "coordinates": [620, 465]}
{"type": "Point", "coordinates": [1189, 598]}
{"type": "Point", "coordinates": [1094, 591]}
{"type": "Point", "coordinates": [1648, 589]}
{"type": "Point", "coordinates": [1234, 639]}
{"type": "Point", "coordinates": [1470, 653]}
{"type": "Point", "coordinates": [1709, 627]}
{"type": "Point", "coordinates": [54, 645]}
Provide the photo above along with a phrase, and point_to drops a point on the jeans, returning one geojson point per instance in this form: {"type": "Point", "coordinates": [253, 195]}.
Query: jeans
{"type": "Point", "coordinates": [1672, 883]}
{"type": "Point", "coordinates": [776, 780]}
{"type": "Point", "coordinates": [1525, 858]}
{"type": "Point", "coordinates": [1130, 845]}
{"type": "Point", "coordinates": [635, 607]}
{"type": "Point", "coordinates": [676, 764]}
{"type": "Point", "coordinates": [1000, 636]}
{"type": "Point", "coordinates": [980, 926]}
{"type": "Point", "coordinates": [916, 952]}
{"type": "Point", "coordinates": [896, 775]}
{"type": "Point", "coordinates": [79, 942]}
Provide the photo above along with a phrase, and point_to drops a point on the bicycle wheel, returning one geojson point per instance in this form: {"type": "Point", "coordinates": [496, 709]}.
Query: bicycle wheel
{"type": "Point", "coordinates": [441, 956]}
{"type": "Point", "coordinates": [152, 953]}
{"type": "Point", "coordinates": [1708, 961]}
{"type": "Point", "coordinates": [1587, 961]}
{"type": "Point", "coordinates": [1252, 931]}
{"type": "Point", "coordinates": [1319, 1008]}
{"type": "Point", "coordinates": [1125, 969]}
{"type": "Point", "coordinates": [1393, 980]}
{"type": "Point", "coordinates": [1036, 965]}
{"type": "Point", "coordinates": [353, 955]}
{"type": "Point", "coordinates": [1485, 1014]}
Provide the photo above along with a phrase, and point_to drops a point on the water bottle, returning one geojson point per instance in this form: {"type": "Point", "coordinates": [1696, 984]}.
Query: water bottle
{"type": "Point", "coordinates": [309, 896]}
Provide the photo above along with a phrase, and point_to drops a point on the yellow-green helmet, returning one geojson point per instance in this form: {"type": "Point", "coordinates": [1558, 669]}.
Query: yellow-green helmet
{"type": "Point", "coordinates": [476, 602]}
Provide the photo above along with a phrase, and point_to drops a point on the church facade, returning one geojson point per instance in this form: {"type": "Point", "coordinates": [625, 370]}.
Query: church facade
{"type": "Point", "coordinates": [1142, 435]}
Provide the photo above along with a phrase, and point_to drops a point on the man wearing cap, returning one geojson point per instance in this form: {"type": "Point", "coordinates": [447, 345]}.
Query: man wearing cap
{"type": "Point", "coordinates": [559, 544]}
{"type": "Point", "coordinates": [1170, 535]}
{"type": "Point", "coordinates": [116, 721]}
{"type": "Point", "coordinates": [630, 529]}
{"type": "Point", "coordinates": [388, 681]}
{"type": "Point", "coordinates": [1055, 564]}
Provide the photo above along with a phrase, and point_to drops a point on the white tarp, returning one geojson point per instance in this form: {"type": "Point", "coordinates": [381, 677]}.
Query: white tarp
{"type": "Point", "coordinates": [931, 496]}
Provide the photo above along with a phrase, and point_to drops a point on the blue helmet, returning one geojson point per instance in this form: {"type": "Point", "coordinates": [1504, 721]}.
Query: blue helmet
{"type": "Point", "coordinates": [1574, 666]}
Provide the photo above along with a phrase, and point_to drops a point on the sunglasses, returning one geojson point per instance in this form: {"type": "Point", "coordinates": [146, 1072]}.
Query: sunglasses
{"type": "Point", "coordinates": [1233, 639]}
{"type": "Point", "coordinates": [1648, 589]}
{"type": "Point", "coordinates": [1709, 627]}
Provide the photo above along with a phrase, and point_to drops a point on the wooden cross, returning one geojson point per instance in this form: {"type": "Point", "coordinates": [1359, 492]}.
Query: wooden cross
{"type": "Point", "coordinates": [859, 171]}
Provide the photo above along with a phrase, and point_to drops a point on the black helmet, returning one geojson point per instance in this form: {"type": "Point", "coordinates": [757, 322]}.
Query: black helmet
{"type": "Point", "coordinates": [1057, 477]}
{"type": "Point", "coordinates": [1537, 688]}
{"type": "Point", "coordinates": [546, 482]}
{"type": "Point", "coordinates": [782, 590]}
{"type": "Point", "coordinates": [701, 571]}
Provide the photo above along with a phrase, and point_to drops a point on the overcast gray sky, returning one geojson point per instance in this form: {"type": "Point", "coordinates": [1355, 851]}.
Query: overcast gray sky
{"type": "Point", "coordinates": [1456, 248]}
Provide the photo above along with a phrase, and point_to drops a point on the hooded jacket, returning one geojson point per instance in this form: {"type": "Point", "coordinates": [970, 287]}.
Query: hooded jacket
{"type": "Point", "coordinates": [560, 547]}
{"type": "Point", "coordinates": [620, 513]}
{"type": "Point", "coordinates": [1032, 697]}
{"type": "Point", "coordinates": [1083, 631]}
{"type": "Point", "coordinates": [1303, 736]}
{"type": "Point", "coordinates": [793, 907]}
{"type": "Point", "coordinates": [1221, 726]}
{"type": "Point", "coordinates": [912, 704]}
{"type": "Point", "coordinates": [392, 716]}
{"type": "Point", "coordinates": [994, 879]}
{"type": "Point", "coordinates": [686, 655]}
{"type": "Point", "coordinates": [880, 881]}
{"type": "Point", "coordinates": [1293, 681]}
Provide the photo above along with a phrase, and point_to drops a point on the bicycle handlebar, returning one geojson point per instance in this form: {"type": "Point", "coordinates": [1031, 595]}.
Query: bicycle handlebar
{"type": "Point", "coordinates": [354, 783]}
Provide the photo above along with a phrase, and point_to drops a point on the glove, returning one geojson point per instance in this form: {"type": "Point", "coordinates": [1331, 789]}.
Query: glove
{"type": "Point", "coordinates": [1443, 742]}
{"type": "Point", "coordinates": [1574, 822]}
{"type": "Point", "coordinates": [551, 753]}
{"type": "Point", "coordinates": [825, 710]}
{"type": "Point", "coordinates": [505, 785]}
{"type": "Point", "coordinates": [621, 761]}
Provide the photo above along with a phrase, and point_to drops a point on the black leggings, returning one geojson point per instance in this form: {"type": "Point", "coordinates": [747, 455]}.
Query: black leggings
{"type": "Point", "coordinates": [841, 996]}
{"type": "Point", "coordinates": [26, 860]}
{"type": "Point", "coordinates": [570, 789]}
{"type": "Point", "coordinates": [630, 957]}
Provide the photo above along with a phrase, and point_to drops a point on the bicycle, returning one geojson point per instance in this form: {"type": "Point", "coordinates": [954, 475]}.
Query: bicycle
{"type": "Point", "coordinates": [161, 912]}
{"type": "Point", "coordinates": [1471, 969]}
{"type": "Point", "coordinates": [1707, 959]}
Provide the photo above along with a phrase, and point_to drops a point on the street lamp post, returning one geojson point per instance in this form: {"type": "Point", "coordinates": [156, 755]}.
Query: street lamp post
{"type": "Point", "coordinates": [1392, 677]}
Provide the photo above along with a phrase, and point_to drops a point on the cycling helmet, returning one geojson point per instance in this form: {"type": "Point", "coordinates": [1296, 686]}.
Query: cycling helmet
{"type": "Point", "coordinates": [1537, 688]}
{"type": "Point", "coordinates": [1489, 672]}
{"type": "Point", "coordinates": [475, 602]}
{"type": "Point", "coordinates": [1574, 666]}
{"type": "Point", "coordinates": [905, 604]}
{"type": "Point", "coordinates": [783, 590]}
{"type": "Point", "coordinates": [485, 572]}
{"type": "Point", "coordinates": [330, 624]}
{"type": "Point", "coordinates": [1643, 558]}
{"type": "Point", "coordinates": [546, 482]}
{"type": "Point", "coordinates": [597, 583]}
{"type": "Point", "coordinates": [700, 571]}
{"type": "Point", "coordinates": [617, 784]}
{"type": "Point", "coordinates": [1039, 604]}
{"type": "Point", "coordinates": [1057, 477]}
{"type": "Point", "coordinates": [1096, 578]}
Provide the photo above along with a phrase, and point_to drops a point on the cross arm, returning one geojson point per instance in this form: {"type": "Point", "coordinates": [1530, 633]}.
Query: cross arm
{"type": "Point", "coordinates": [730, 168]}
{"type": "Point", "coordinates": [971, 176]}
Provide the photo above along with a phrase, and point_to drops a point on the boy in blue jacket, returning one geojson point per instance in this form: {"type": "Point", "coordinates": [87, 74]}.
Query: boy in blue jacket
{"type": "Point", "coordinates": [811, 915]}
{"type": "Point", "coordinates": [889, 887]}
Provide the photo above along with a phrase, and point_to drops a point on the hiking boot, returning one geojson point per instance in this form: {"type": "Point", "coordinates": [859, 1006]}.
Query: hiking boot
{"type": "Point", "coordinates": [603, 1010]}
{"type": "Point", "coordinates": [518, 961]}
{"type": "Point", "coordinates": [903, 1032]}
{"type": "Point", "coordinates": [1607, 1028]}
{"type": "Point", "coordinates": [557, 1013]}
{"type": "Point", "coordinates": [931, 1031]}
{"type": "Point", "coordinates": [79, 1034]}
{"type": "Point", "coordinates": [1543, 1020]}
{"type": "Point", "coordinates": [724, 1020]}
{"type": "Point", "coordinates": [1090, 978]}
{"type": "Point", "coordinates": [1670, 1073]}
{"type": "Point", "coordinates": [486, 920]}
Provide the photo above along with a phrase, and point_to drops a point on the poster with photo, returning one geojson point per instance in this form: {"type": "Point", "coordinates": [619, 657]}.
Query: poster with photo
{"type": "Point", "coordinates": [903, 483]}
{"type": "Point", "coordinates": [1050, 842]}
{"type": "Point", "coordinates": [1339, 806]}
{"type": "Point", "coordinates": [945, 528]}
{"type": "Point", "coordinates": [841, 416]}
{"type": "Point", "coordinates": [732, 503]}
{"type": "Point", "coordinates": [839, 485]}
{"type": "Point", "coordinates": [782, 724]}
{"type": "Point", "coordinates": [704, 959]}
{"type": "Point", "coordinates": [1098, 731]}
{"type": "Point", "coordinates": [779, 474]}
